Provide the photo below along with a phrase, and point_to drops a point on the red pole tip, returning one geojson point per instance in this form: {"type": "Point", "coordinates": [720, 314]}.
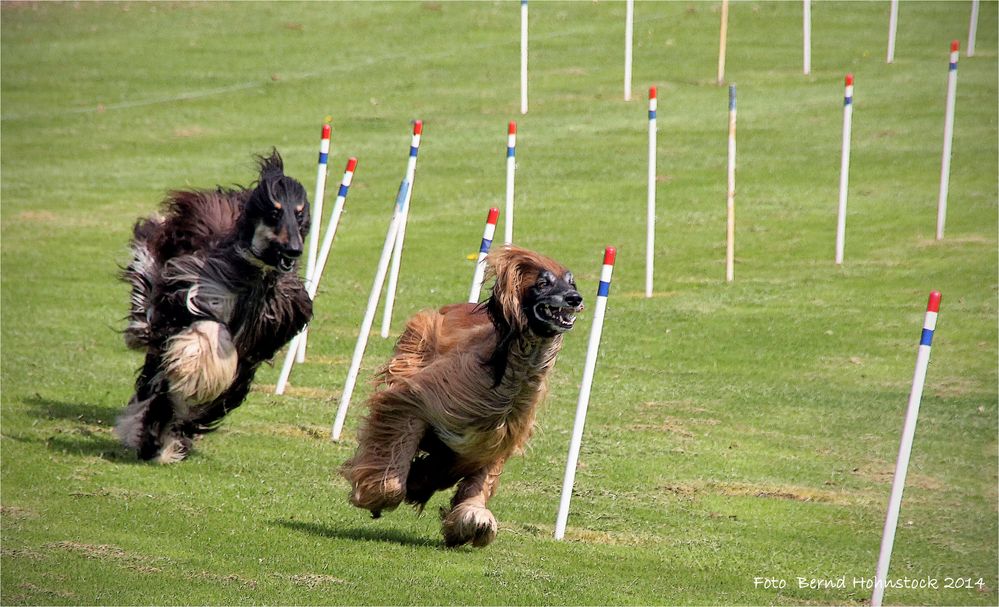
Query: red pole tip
{"type": "Point", "coordinates": [849, 80]}
{"type": "Point", "coordinates": [417, 127]}
{"type": "Point", "coordinates": [493, 216]}
{"type": "Point", "coordinates": [610, 253]}
{"type": "Point", "coordinates": [351, 164]}
{"type": "Point", "coordinates": [326, 131]}
{"type": "Point", "coordinates": [934, 304]}
{"type": "Point", "coordinates": [652, 92]}
{"type": "Point", "coordinates": [512, 129]}
{"type": "Point", "coordinates": [955, 45]}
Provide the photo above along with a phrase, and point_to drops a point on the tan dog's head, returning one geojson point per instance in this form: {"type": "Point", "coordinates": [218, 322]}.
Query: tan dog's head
{"type": "Point", "coordinates": [531, 292]}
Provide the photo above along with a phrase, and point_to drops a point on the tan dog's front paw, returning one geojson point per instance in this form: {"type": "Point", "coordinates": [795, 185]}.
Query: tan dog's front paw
{"type": "Point", "coordinates": [469, 523]}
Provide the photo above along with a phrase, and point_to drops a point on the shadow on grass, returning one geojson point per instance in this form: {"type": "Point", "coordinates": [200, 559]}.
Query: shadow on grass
{"type": "Point", "coordinates": [83, 440]}
{"type": "Point", "coordinates": [364, 534]}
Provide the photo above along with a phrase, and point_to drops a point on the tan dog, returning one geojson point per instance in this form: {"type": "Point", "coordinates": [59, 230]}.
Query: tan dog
{"type": "Point", "coordinates": [460, 394]}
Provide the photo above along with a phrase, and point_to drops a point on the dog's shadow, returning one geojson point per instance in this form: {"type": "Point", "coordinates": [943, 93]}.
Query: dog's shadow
{"type": "Point", "coordinates": [83, 440]}
{"type": "Point", "coordinates": [364, 534]}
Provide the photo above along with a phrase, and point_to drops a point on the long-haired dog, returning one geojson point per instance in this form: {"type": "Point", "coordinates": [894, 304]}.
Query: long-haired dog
{"type": "Point", "coordinates": [214, 293]}
{"type": "Point", "coordinates": [460, 393]}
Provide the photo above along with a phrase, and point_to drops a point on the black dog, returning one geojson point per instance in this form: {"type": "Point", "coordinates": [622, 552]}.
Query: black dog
{"type": "Point", "coordinates": [214, 294]}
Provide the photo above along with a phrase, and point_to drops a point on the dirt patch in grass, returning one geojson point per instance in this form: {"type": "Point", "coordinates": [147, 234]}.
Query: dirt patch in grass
{"type": "Point", "coordinates": [767, 491]}
{"type": "Point", "coordinates": [313, 580]}
{"type": "Point", "coordinates": [299, 431]}
{"type": "Point", "coordinates": [29, 587]}
{"type": "Point", "coordinates": [229, 579]}
{"type": "Point", "coordinates": [38, 216]}
{"type": "Point", "coordinates": [109, 553]}
{"type": "Point", "coordinates": [667, 426]}
{"type": "Point", "coordinates": [883, 473]}
{"type": "Point", "coordinates": [21, 553]}
{"type": "Point", "coordinates": [15, 513]}
{"type": "Point", "coordinates": [297, 391]}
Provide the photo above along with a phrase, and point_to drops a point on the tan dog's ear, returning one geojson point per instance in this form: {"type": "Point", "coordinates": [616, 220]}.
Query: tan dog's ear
{"type": "Point", "coordinates": [505, 267]}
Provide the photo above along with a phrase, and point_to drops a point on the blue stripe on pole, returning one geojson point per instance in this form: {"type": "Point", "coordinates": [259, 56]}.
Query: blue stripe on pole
{"type": "Point", "coordinates": [731, 97]}
{"type": "Point", "coordinates": [413, 150]}
{"type": "Point", "coordinates": [323, 157]}
{"type": "Point", "coordinates": [400, 198]}
{"type": "Point", "coordinates": [953, 66]}
{"type": "Point", "coordinates": [343, 191]}
{"type": "Point", "coordinates": [511, 152]}
{"type": "Point", "coordinates": [926, 338]}
{"type": "Point", "coordinates": [847, 100]}
{"type": "Point", "coordinates": [652, 114]}
{"type": "Point", "coordinates": [484, 247]}
{"type": "Point", "coordinates": [604, 289]}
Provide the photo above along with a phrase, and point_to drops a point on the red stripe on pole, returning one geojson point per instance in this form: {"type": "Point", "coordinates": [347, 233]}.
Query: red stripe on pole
{"type": "Point", "coordinates": [512, 129]}
{"type": "Point", "coordinates": [934, 303]}
{"type": "Point", "coordinates": [417, 127]}
{"type": "Point", "coordinates": [326, 131]}
{"type": "Point", "coordinates": [610, 253]}
{"type": "Point", "coordinates": [955, 45]}
{"type": "Point", "coordinates": [351, 163]}
{"type": "Point", "coordinates": [493, 216]}
{"type": "Point", "coordinates": [849, 80]}
{"type": "Point", "coordinates": [652, 92]}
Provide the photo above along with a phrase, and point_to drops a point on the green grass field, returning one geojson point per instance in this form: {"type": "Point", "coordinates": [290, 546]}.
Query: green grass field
{"type": "Point", "coordinates": [736, 431]}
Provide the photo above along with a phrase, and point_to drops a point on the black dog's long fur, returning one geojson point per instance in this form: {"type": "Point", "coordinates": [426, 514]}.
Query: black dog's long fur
{"type": "Point", "coordinates": [225, 256]}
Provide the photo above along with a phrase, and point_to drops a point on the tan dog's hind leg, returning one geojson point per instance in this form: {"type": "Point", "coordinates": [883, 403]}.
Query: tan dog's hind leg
{"type": "Point", "coordinates": [387, 443]}
{"type": "Point", "coordinates": [469, 521]}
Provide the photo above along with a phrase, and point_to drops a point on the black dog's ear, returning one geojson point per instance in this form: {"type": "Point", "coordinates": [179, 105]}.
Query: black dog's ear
{"type": "Point", "coordinates": [271, 167]}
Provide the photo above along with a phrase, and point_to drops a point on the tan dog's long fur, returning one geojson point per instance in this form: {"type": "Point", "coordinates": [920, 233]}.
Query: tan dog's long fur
{"type": "Point", "coordinates": [443, 387]}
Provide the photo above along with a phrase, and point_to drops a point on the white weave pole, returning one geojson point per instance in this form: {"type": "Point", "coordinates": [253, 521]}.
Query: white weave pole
{"type": "Point", "coordinates": [730, 198]}
{"type": "Point", "coordinates": [948, 139]}
{"type": "Point", "coordinates": [806, 27]}
{"type": "Point", "coordinates": [393, 277]}
{"type": "Point", "coordinates": [317, 218]}
{"type": "Point", "coordinates": [844, 169]}
{"type": "Point", "coordinates": [629, 30]}
{"type": "Point", "coordinates": [523, 56]}
{"type": "Point", "coordinates": [511, 170]}
{"type": "Point", "coordinates": [973, 28]}
{"type": "Point", "coordinates": [905, 449]}
{"type": "Point", "coordinates": [722, 42]}
{"type": "Point", "coordinates": [650, 213]}
{"type": "Point", "coordinates": [892, 28]}
{"type": "Point", "coordinates": [369, 312]}
{"type": "Point", "coordinates": [480, 264]}
{"type": "Point", "coordinates": [584, 391]}
{"type": "Point", "coordinates": [312, 286]}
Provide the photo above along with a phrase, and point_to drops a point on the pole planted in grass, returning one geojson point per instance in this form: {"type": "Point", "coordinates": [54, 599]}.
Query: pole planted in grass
{"type": "Point", "coordinates": [948, 139]}
{"type": "Point", "coordinates": [905, 448]}
{"type": "Point", "coordinates": [722, 42]}
{"type": "Point", "coordinates": [317, 218]}
{"type": "Point", "coordinates": [369, 312]}
{"type": "Point", "coordinates": [973, 28]}
{"type": "Point", "coordinates": [511, 170]}
{"type": "Point", "coordinates": [730, 198]}
{"type": "Point", "coordinates": [393, 277]}
{"type": "Point", "coordinates": [523, 56]}
{"type": "Point", "coordinates": [650, 207]}
{"type": "Point", "coordinates": [806, 37]}
{"type": "Point", "coordinates": [844, 168]}
{"type": "Point", "coordinates": [480, 264]}
{"type": "Point", "coordinates": [599, 309]}
{"type": "Point", "coordinates": [629, 29]}
{"type": "Point", "coordinates": [892, 28]}
{"type": "Point", "coordinates": [312, 286]}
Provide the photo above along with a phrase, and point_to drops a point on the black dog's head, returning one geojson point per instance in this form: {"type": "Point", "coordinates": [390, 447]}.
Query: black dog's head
{"type": "Point", "coordinates": [276, 216]}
